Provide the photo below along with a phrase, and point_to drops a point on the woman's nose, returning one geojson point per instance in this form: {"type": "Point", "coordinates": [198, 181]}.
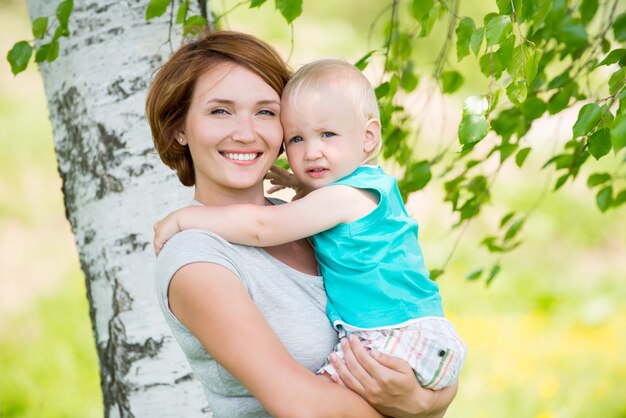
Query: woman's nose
{"type": "Point", "coordinates": [244, 130]}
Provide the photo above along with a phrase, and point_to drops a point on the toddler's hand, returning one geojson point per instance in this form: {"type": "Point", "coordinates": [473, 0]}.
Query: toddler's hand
{"type": "Point", "coordinates": [165, 229]}
{"type": "Point", "coordinates": [281, 179]}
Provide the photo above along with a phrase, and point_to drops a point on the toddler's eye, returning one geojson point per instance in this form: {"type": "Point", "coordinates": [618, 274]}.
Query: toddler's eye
{"type": "Point", "coordinates": [296, 139]}
{"type": "Point", "coordinates": [328, 134]}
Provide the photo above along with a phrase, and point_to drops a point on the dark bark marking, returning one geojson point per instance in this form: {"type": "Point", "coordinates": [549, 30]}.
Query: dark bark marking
{"type": "Point", "coordinates": [132, 242]}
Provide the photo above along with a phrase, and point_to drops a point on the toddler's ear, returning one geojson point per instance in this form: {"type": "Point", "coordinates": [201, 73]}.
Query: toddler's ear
{"type": "Point", "coordinates": [372, 137]}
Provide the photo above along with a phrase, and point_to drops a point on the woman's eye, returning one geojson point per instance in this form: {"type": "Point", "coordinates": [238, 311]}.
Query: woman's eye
{"type": "Point", "coordinates": [296, 139]}
{"type": "Point", "coordinates": [267, 112]}
{"type": "Point", "coordinates": [219, 111]}
{"type": "Point", "coordinates": [328, 134]}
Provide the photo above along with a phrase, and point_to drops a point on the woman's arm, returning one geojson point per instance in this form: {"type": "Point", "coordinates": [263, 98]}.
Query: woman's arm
{"type": "Point", "coordinates": [214, 305]}
{"type": "Point", "coordinates": [388, 383]}
{"type": "Point", "coordinates": [265, 226]}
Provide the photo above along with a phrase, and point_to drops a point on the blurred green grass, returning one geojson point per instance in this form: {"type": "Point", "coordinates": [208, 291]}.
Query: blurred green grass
{"type": "Point", "coordinates": [546, 338]}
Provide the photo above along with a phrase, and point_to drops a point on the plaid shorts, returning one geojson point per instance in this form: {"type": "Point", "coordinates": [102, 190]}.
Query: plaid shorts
{"type": "Point", "coordinates": [430, 345]}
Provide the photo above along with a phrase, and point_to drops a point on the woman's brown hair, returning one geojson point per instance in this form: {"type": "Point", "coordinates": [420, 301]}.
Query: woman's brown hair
{"type": "Point", "coordinates": [170, 94]}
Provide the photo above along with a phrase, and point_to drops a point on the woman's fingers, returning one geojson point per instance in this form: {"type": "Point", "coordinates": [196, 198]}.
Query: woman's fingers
{"type": "Point", "coordinates": [346, 377]}
{"type": "Point", "coordinates": [391, 362]}
{"type": "Point", "coordinates": [356, 357]}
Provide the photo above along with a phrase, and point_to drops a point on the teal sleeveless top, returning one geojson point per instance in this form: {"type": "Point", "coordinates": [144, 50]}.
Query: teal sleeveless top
{"type": "Point", "coordinates": [373, 268]}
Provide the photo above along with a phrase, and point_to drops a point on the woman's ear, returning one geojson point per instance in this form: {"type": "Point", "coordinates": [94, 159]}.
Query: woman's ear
{"type": "Point", "coordinates": [372, 136]}
{"type": "Point", "coordinates": [180, 137]}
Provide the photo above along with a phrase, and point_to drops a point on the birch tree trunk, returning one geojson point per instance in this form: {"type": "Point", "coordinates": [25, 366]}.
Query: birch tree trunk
{"type": "Point", "coordinates": [115, 188]}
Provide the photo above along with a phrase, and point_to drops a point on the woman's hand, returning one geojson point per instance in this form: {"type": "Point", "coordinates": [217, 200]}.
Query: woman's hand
{"type": "Point", "coordinates": [282, 179]}
{"type": "Point", "coordinates": [388, 383]}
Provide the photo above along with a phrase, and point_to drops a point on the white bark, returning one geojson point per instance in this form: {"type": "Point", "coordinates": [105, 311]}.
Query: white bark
{"type": "Point", "coordinates": [115, 188]}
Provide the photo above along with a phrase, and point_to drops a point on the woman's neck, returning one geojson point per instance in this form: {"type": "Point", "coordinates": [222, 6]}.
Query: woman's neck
{"type": "Point", "coordinates": [225, 197]}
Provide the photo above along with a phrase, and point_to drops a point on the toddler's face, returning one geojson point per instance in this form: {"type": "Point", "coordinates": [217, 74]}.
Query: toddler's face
{"type": "Point", "coordinates": [325, 139]}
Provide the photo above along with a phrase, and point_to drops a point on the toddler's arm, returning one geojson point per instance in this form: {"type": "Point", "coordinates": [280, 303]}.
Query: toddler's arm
{"type": "Point", "coordinates": [265, 226]}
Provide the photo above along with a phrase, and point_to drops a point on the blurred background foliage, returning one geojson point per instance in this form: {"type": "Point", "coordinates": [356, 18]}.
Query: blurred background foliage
{"type": "Point", "coordinates": [546, 338]}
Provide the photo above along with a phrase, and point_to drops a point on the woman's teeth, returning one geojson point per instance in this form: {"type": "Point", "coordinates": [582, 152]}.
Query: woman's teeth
{"type": "Point", "coordinates": [240, 157]}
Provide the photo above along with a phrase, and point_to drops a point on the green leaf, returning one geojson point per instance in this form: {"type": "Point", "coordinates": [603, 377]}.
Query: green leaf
{"type": "Point", "coordinates": [572, 33]}
{"type": "Point", "coordinates": [477, 40]}
{"type": "Point", "coordinates": [60, 31]}
{"type": "Point", "coordinates": [492, 246]}
{"type": "Point", "coordinates": [504, 6]}
{"type": "Point", "coordinates": [19, 56]}
{"type": "Point", "coordinates": [362, 63]}
{"type": "Point", "coordinates": [256, 3]}
{"type": "Point", "coordinates": [513, 229]}
{"type": "Point", "coordinates": [516, 92]}
{"type": "Point", "coordinates": [475, 105]}
{"type": "Point", "coordinates": [558, 101]}
{"type": "Point", "coordinates": [156, 8]}
{"type": "Point", "coordinates": [474, 275]}
{"type": "Point", "coordinates": [506, 149]}
{"type": "Point", "coordinates": [505, 52]}
{"type": "Point", "coordinates": [498, 29]}
{"type": "Point", "coordinates": [620, 198]}
{"type": "Point", "coordinates": [473, 128]}
{"type": "Point", "coordinates": [282, 163]}
{"type": "Point", "coordinates": [490, 63]}
{"type": "Point", "coordinates": [435, 273]}
{"type": "Point", "coordinates": [194, 25]}
{"type": "Point", "coordinates": [588, 117]}
{"type": "Point", "coordinates": [382, 90]}
{"type": "Point", "coordinates": [619, 28]}
{"type": "Point", "coordinates": [588, 9]}
{"type": "Point", "coordinates": [533, 108]}
{"type": "Point", "coordinates": [531, 64]}
{"type": "Point", "coordinates": [604, 198]}
{"type": "Point", "coordinates": [418, 175]}
{"type": "Point", "coordinates": [452, 81]}
{"type": "Point", "coordinates": [537, 10]}
{"type": "Point", "coordinates": [613, 57]}
{"type": "Point", "coordinates": [618, 133]}
{"type": "Point", "coordinates": [463, 36]}
{"type": "Point", "coordinates": [64, 10]}
{"type": "Point", "coordinates": [181, 13]}
{"type": "Point", "coordinates": [561, 181]}
{"type": "Point", "coordinates": [40, 25]}
{"type": "Point", "coordinates": [492, 274]}
{"type": "Point", "coordinates": [600, 143]}
{"type": "Point", "coordinates": [421, 8]}
{"type": "Point", "coordinates": [290, 9]}
{"type": "Point", "coordinates": [521, 156]}
{"type": "Point", "coordinates": [409, 79]}
{"type": "Point", "coordinates": [598, 178]}
{"type": "Point", "coordinates": [616, 80]}
{"type": "Point", "coordinates": [42, 52]}
{"type": "Point", "coordinates": [506, 218]}
{"type": "Point", "coordinates": [54, 50]}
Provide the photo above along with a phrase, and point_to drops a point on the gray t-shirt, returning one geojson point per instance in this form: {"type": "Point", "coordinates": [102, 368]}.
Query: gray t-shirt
{"type": "Point", "coordinates": [293, 303]}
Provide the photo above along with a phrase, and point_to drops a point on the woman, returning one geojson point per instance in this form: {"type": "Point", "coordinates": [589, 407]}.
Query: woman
{"type": "Point", "coordinates": [252, 321]}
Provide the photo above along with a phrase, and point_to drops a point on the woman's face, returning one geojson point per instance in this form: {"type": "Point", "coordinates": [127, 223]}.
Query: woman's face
{"type": "Point", "coordinates": [232, 129]}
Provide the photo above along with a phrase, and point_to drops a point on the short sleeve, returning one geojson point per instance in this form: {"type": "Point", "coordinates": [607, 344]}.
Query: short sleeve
{"type": "Point", "coordinates": [191, 246]}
